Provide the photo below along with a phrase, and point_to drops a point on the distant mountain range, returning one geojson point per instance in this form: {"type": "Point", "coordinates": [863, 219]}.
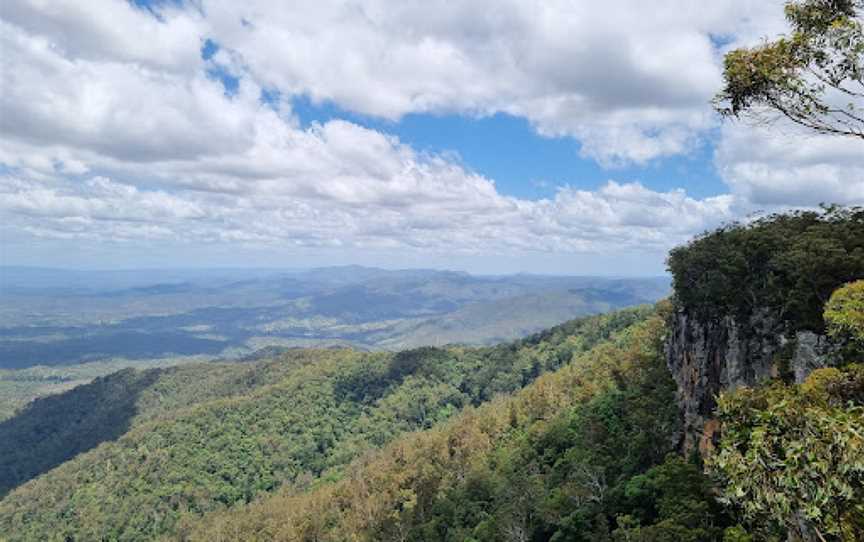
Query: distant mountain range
{"type": "Point", "coordinates": [62, 317]}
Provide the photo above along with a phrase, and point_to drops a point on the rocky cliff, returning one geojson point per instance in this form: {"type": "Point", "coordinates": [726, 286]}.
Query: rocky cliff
{"type": "Point", "coordinates": [706, 358]}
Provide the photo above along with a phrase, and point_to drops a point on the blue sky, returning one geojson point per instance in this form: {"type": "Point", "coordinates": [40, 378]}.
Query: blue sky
{"type": "Point", "coordinates": [507, 148]}
{"type": "Point", "coordinates": [522, 162]}
{"type": "Point", "coordinates": [491, 136]}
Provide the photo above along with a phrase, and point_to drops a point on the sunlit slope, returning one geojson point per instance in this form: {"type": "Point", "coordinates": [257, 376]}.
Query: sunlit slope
{"type": "Point", "coordinates": [188, 457]}
{"type": "Point", "coordinates": [558, 460]}
{"type": "Point", "coordinates": [54, 429]}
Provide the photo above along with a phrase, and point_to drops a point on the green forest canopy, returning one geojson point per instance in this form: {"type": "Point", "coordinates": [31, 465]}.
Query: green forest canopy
{"type": "Point", "coordinates": [786, 263]}
{"type": "Point", "coordinates": [193, 447]}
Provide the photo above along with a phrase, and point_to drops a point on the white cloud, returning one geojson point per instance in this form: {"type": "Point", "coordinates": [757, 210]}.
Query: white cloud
{"type": "Point", "coordinates": [779, 165]}
{"type": "Point", "coordinates": [108, 136]}
{"type": "Point", "coordinates": [630, 80]}
{"type": "Point", "coordinates": [337, 184]}
{"type": "Point", "coordinates": [96, 199]}
{"type": "Point", "coordinates": [106, 30]}
{"type": "Point", "coordinates": [121, 110]}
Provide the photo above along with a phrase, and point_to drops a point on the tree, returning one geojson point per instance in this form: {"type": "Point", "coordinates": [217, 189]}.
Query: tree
{"type": "Point", "coordinates": [844, 312]}
{"type": "Point", "coordinates": [814, 77]}
{"type": "Point", "coordinates": [793, 456]}
{"type": "Point", "coordinates": [788, 263]}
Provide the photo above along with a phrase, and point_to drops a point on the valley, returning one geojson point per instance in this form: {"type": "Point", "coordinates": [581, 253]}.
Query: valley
{"type": "Point", "coordinates": [231, 314]}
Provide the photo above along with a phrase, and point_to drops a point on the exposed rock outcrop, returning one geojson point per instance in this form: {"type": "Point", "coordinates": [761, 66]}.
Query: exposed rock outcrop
{"type": "Point", "coordinates": [706, 358]}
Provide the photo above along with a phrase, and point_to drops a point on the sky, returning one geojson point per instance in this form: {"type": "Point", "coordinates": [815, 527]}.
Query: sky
{"type": "Point", "coordinates": [561, 137]}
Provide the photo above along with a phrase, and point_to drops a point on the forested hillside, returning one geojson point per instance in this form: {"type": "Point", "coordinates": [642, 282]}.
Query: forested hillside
{"type": "Point", "coordinates": [203, 437]}
{"type": "Point", "coordinates": [54, 429]}
{"type": "Point", "coordinates": [585, 453]}
{"type": "Point", "coordinates": [787, 264]}
{"type": "Point", "coordinates": [749, 302]}
{"type": "Point", "coordinates": [717, 399]}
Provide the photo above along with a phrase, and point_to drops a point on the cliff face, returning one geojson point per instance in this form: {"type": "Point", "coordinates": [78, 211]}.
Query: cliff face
{"type": "Point", "coordinates": [706, 358]}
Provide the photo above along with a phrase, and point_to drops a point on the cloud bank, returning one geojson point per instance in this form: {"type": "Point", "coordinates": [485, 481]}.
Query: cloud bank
{"type": "Point", "coordinates": [116, 129]}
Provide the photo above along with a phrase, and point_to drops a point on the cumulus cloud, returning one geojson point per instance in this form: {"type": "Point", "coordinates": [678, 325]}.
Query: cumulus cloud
{"type": "Point", "coordinates": [631, 80]}
{"type": "Point", "coordinates": [118, 109]}
{"type": "Point", "coordinates": [114, 128]}
{"type": "Point", "coordinates": [779, 166]}
{"type": "Point", "coordinates": [616, 217]}
{"type": "Point", "coordinates": [105, 30]}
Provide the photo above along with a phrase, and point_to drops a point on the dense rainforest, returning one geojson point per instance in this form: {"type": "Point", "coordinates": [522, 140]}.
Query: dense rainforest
{"type": "Point", "coordinates": [591, 451]}
{"type": "Point", "coordinates": [787, 263]}
{"type": "Point", "coordinates": [138, 450]}
{"type": "Point", "coordinates": [584, 453]}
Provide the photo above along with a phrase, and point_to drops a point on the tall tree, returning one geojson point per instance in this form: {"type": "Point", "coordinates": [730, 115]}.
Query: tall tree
{"type": "Point", "coordinates": [813, 77]}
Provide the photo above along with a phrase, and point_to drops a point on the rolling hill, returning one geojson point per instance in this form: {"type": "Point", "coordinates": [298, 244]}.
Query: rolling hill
{"type": "Point", "coordinates": [51, 317]}
{"type": "Point", "coordinates": [129, 455]}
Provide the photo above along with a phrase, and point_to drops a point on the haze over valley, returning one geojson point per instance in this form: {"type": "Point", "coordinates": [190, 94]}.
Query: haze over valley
{"type": "Point", "coordinates": [54, 317]}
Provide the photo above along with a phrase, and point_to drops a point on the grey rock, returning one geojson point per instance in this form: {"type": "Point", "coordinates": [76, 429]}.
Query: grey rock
{"type": "Point", "coordinates": [706, 358]}
{"type": "Point", "coordinates": [812, 351]}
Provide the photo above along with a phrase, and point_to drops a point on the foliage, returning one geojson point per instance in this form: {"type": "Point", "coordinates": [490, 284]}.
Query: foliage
{"type": "Point", "coordinates": [580, 454]}
{"type": "Point", "coordinates": [673, 501]}
{"type": "Point", "coordinates": [787, 263]}
{"type": "Point", "coordinates": [844, 314]}
{"type": "Point", "coordinates": [195, 446]}
{"type": "Point", "coordinates": [18, 387]}
{"type": "Point", "coordinates": [814, 77]}
{"type": "Point", "coordinates": [53, 429]}
{"type": "Point", "coordinates": [792, 457]}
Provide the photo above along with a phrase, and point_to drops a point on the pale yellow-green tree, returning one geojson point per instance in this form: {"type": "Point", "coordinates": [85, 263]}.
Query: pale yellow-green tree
{"type": "Point", "coordinates": [792, 456]}
{"type": "Point", "coordinates": [844, 312]}
{"type": "Point", "coordinates": [814, 76]}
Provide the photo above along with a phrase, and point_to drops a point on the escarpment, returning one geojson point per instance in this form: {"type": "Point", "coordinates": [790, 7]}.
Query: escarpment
{"type": "Point", "coordinates": [708, 357]}
{"type": "Point", "coordinates": [748, 306]}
